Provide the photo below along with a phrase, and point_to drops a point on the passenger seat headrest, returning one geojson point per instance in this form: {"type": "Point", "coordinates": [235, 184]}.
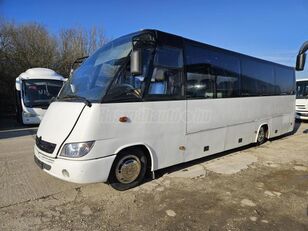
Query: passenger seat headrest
{"type": "Point", "coordinates": [159, 74]}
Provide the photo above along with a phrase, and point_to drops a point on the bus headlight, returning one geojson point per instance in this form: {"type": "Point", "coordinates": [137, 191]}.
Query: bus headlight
{"type": "Point", "coordinates": [75, 150]}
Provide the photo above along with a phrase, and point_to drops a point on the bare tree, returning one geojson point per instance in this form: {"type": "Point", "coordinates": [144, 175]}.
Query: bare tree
{"type": "Point", "coordinates": [26, 46]}
{"type": "Point", "coordinates": [75, 43]}
{"type": "Point", "coordinates": [31, 45]}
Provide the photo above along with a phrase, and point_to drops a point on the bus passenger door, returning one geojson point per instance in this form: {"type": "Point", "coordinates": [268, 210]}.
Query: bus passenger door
{"type": "Point", "coordinates": [205, 128]}
{"type": "Point", "coordinates": [165, 99]}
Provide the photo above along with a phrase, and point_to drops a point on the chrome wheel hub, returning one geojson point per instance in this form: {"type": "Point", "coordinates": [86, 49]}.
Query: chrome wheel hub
{"type": "Point", "coordinates": [128, 169]}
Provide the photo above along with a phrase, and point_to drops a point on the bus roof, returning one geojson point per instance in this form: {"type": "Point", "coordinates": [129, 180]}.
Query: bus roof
{"type": "Point", "coordinates": [167, 37]}
{"type": "Point", "coordinates": [40, 73]}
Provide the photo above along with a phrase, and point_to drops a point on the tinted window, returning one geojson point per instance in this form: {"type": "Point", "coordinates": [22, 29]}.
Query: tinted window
{"type": "Point", "coordinates": [257, 78]}
{"type": "Point", "coordinates": [227, 86]}
{"type": "Point", "coordinates": [211, 73]}
{"type": "Point", "coordinates": [166, 80]}
{"type": "Point", "coordinates": [127, 86]}
{"type": "Point", "coordinates": [38, 92]}
{"type": "Point", "coordinates": [199, 85]}
{"type": "Point", "coordinates": [285, 80]}
{"type": "Point", "coordinates": [169, 57]}
{"type": "Point", "coordinates": [301, 89]}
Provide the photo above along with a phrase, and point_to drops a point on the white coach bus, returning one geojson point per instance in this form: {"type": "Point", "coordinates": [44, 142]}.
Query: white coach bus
{"type": "Point", "coordinates": [302, 99]}
{"type": "Point", "coordinates": [34, 90]}
{"type": "Point", "coordinates": [302, 85]}
{"type": "Point", "coordinates": [149, 100]}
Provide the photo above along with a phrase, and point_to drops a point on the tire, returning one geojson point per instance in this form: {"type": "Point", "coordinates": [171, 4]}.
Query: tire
{"type": "Point", "coordinates": [132, 160]}
{"type": "Point", "coordinates": [261, 139]}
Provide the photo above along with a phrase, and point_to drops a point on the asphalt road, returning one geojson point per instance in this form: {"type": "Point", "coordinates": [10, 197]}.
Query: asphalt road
{"type": "Point", "coordinates": [253, 188]}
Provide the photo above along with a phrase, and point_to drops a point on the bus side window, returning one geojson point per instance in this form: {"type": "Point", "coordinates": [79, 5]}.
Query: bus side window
{"type": "Point", "coordinates": [200, 84]}
{"type": "Point", "coordinates": [227, 86]}
{"type": "Point", "coordinates": [125, 82]}
{"type": "Point", "coordinates": [211, 73]}
{"type": "Point", "coordinates": [166, 78]}
{"type": "Point", "coordinates": [165, 82]}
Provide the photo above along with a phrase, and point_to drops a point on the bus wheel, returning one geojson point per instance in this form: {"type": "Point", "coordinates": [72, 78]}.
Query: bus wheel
{"type": "Point", "coordinates": [262, 135]}
{"type": "Point", "coordinates": [128, 169]}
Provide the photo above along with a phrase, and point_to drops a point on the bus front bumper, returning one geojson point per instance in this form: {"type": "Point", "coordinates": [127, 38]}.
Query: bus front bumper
{"type": "Point", "coordinates": [76, 171]}
{"type": "Point", "coordinates": [301, 115]}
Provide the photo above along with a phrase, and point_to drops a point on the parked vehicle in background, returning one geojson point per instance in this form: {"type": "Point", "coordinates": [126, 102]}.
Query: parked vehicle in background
{"type": "Point", "coordinates": [150, 99]}
{"type": "Point", "coordinates": [302, 99]}
{"type": "Point", "coordinates": [34, 90]}
{"type": "Point", "coordinates": [302, 85]}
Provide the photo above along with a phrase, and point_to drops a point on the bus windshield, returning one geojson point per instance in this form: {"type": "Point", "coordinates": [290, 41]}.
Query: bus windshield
{"type": "Point", "coordinates": [38, 92]}
{"type": "Point", "coordinates": [92, 78]}
{"type": "Point", "coordinates": [302, 89]}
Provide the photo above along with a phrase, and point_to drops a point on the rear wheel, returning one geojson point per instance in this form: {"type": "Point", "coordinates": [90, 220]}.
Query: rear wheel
{"type": "Point", "coordinates": [128, 169]}
{"type": "Point", "coordinates": [262, 135]}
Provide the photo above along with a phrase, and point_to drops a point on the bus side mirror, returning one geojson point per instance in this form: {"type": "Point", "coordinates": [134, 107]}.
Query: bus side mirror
{"type": "Point", "coordinates": [300, 62]}
{"type": "Point", "coordinates": [136, 62]}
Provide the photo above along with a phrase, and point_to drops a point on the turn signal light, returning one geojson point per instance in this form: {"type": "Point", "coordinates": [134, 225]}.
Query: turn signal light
{"type": "Point", "coordinates": [123, 119]}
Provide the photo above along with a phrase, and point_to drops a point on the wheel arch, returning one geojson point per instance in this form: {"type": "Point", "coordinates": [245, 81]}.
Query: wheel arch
{"type": "Point", "coordinates": [147, 150]}
{"type": "Point", "coordinates": [267, 131]}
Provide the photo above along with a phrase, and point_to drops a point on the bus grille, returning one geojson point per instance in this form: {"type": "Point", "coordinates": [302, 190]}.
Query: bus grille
{"type": "Point", "coordinates": [301, 106]}
{"type": "Point", "coordinates": [44, 145]}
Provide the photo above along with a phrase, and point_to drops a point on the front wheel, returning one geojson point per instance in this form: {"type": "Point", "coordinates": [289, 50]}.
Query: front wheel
{"type": "Point", "coordinates": [128, 169]}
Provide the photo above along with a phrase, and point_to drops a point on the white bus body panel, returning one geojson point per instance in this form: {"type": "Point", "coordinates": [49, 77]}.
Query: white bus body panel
{"type": "Point", "coordinates": [55, 126]}
{"type": "Point", "coordinates": [90, 171]}
{"type": "Point", "coordinates": [302, 109]}
{"type": "Point", "coordinates": [37, 115]}
{"type": "Point", "coordinates": [40, 73]}
{"type": "Point", "coordinates": [224, 124]}
{"type": "Point", "coordinates": [162, 127]}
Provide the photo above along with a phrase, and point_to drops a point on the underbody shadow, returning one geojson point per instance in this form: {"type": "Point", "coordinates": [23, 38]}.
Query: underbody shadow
{"type": "Point", "coordinates": [297, 125]}
{"type": "Point", "coordinates": [9, 128]}
{"type": "Point", "coordinates": [159, 173]}
{"type": "Point", "coordinates": [17, 133]}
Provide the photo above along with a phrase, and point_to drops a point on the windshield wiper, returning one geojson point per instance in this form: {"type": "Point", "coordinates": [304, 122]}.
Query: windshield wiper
{"type": "Point", "coordinates": [83, 99]}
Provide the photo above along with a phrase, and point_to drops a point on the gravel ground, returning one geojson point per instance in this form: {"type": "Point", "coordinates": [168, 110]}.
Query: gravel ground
{"type": "Point", "coordinates": [252, 188]}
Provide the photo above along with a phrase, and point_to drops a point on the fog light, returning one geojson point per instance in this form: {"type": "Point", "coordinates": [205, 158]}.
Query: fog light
{"type": "Point", "coordinates": [65, 173]}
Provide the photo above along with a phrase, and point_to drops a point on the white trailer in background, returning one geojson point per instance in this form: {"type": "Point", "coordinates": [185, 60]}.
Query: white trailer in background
{"type": "Point", "coordinates": [34, 90]}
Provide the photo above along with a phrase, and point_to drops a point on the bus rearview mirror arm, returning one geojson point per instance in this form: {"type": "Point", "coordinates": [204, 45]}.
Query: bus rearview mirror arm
{"type": "Point", "coordinates": [136, 62]}
{"type": "Point", "coordinates": [301, 57]}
